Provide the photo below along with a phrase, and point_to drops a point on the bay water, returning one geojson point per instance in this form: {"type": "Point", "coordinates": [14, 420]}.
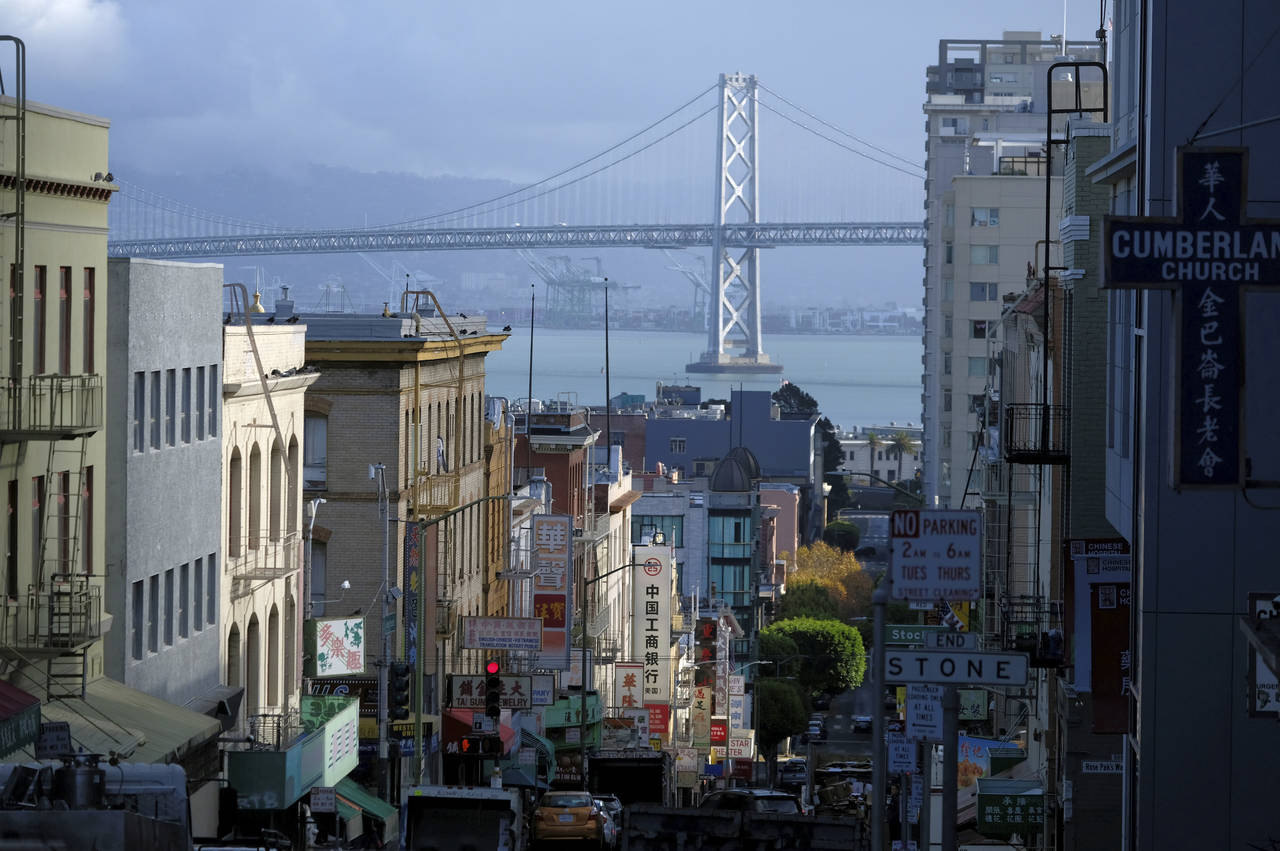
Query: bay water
{"type": "Point", "coordinates": [857, 380]}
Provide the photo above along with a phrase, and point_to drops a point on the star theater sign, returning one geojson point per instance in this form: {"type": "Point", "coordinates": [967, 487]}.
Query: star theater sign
{"type": "Point", "coordinates": [1206, 254]}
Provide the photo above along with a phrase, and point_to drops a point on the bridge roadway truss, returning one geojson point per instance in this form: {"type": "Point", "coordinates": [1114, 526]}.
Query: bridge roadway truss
{"type": "Point", "coordinates": [455, 239]}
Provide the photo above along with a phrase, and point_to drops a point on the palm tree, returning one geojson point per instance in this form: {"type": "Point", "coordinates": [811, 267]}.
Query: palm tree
{"type": "Point", "coordinates": [874, 442]}
{"type": "Point", "coordinates": [902, 443]}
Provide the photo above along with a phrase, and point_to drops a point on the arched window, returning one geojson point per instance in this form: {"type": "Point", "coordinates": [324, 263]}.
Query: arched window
{"type": "Point", "coordinates": [235, 504]}
{"type": "Point", "coordinates": [255, 497]}
{"type": "Point", "coordinates": [253, 667]}
{"type": "Point", "coordinates": [274, 504]}
{"type": "Point", "coordinates": [233, 656]}
{"type": "Point", "coordinates": [291, 509]}
{"type": "Point", "coordinates": [273, 657]}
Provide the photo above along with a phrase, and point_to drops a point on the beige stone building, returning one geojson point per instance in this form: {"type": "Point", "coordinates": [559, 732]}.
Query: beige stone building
{"type": "Point", "coordinates": [264, 383]}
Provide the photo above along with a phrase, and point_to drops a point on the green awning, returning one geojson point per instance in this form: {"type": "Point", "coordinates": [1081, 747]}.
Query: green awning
{"type": "Point", "coordinates": [347, 812]}
{"type": "Point", "coordinates": [19, 718]}
{"type": "Point", "coordinates": [352, 794]}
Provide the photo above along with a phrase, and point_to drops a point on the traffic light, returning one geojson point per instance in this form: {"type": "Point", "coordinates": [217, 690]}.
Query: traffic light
{"type": "Point", "coordinates": [398, 678]}
{"type": "Point", "coordinates": [492, 689]}
{"type": "Point", "coordinates": [471, 745]}
{"type": "Point", "coordinates": [492, 746]}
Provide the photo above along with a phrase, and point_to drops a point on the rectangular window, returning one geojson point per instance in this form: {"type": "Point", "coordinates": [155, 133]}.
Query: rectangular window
{"type": "Point", "coordinates": [946, 363]}
{"type": "Point", "coordinates": [977, 402]}
{"type": "Point", "coordinates": [168, 607]}
{"type": "Point", "coordinates": [153, 614]}
{"type": "Point", "coordinates": [61, 505]}
{"type": "Point", "coordinates": [184, 595]}
{"type": "Point", "coordinates": [139, 411]}
{"type": "Point", "coordinates": [11, 543]}
{"type": "Point", "coordinates": [170, 403]}
{"type": "Point", "coordinates": [978, 329]}
{"type": "Point", "coordinates": [982, 291]}
{"type": "Point", "coordinates": [949, 214]}
{"type": "Point", "coordinates": [671, 526]}
{"type": "Point", "coordinates": [89, 318]}
{"type": "Point", "coordinates": [319, 575]}
{"type": "Point", "coordinates": [137, 619]}
{"type": "Point", "coordinates": [211, 598]}
{"type": "Point", "coordinates": [977, 367]}
{"type": "Point", "coordinates": [197, 596]}
{"type": "Point", "coordinates": [186, 405]}
{"type": "Point", "coordinates": [985, 217]}
{"type": "Point", "coordinates": [215, 397]}
{"type": "Point", "coordinates": [38, 294]}
{"type": "Point", "coordinates": [86, 518]}
{"type": "Point", "coordinates": [676, 445]}
{"type": "Point", "coordinates": [948, 289]}
{"type": "Point", "coordinates": [948, 252]}
{"type": "Point", "coordinates": [946, 400]}
{"type": "Point", "coordinates": [154, 421]}
{"type": "Point", "coordinates": [37, 522]}
{"type": "Point", "coordinates": [199, 403]}
{"type": "Point", "coordinates": [984, 254]}
{"type": "Point", "coordinates": [64, 320]}
{"type": "Point", "coordinates": [946, 328]}
{"type": "Point", "coordinates": [314, 451]}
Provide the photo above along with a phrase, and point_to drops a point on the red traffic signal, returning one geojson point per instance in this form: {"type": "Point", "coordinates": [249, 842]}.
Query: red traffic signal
{"type": "Point", "coordinates": [471, 745]}
{"type": "Point", "coordinates": [492, 667]}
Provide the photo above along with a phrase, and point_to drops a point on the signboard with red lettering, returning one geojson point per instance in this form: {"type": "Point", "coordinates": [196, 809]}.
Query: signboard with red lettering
{"type": "Point", "coordinates": [552, 586]}
{"type": "Point", "coordinates": [467, 691]}
{"type": "Point", "coordinates": [935, 554]}
{"type": "Point", "coordinates": [628, 685]}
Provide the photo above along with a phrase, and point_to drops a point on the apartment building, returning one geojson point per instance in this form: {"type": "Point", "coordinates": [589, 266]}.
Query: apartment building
{"type": "Point", "coordinates": [1203, 557]}
{"type": "Point", "coordinates": [54, 192]}
{"type": "Point", "coordinates": [164, 394]}
{"type": "Point", "coordinates": [262, 389]}
{"type": "Point", "coordinates": [985, 119]}
{"type": "Point", "coordinates": [406, 391]}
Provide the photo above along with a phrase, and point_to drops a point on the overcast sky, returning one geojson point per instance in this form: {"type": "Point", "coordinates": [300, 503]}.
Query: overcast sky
{"type": "Point", "coordinates": [500, 89]}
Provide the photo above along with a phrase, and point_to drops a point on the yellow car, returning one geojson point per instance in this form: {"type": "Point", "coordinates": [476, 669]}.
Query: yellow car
{"type": "Point", "coordinates": [568, 816]}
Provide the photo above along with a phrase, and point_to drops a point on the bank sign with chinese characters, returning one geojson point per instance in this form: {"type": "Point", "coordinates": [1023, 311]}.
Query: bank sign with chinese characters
{"type": "Point", "coordinates": [651, 620]}
{"type": "Point", "coordinates": [1206, 254]}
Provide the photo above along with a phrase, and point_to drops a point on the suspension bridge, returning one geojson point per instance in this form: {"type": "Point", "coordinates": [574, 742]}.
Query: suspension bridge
{"type": "Point", "coordinates": [653, 176]}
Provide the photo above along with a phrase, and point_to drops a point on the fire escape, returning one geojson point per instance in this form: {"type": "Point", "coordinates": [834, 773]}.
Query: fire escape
{"type": "Point", "coordinates": [51, 623]}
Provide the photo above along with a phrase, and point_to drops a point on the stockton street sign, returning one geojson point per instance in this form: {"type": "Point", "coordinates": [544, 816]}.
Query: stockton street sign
{"type": "Point", "coordinates": [1206, 253]}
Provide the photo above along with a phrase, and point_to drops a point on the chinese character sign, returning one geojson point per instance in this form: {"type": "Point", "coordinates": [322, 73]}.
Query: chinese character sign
{"type": "Point", "coordinates": [651, 620]}
{"type": "Point", "coordinates": [1209, 392]}
{"type": "Point", "coordinates": [628, 685]}
{"type": "Point", "coordinates": [722, 665]}
{"type": "Point", "coordinates": [335, 647]}
{"type": "Point", "coordinates": [552, 586]}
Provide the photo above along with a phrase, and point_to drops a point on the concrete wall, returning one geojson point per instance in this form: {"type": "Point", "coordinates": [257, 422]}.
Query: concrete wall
{"type": "Point", "coordinates": [166, 318]}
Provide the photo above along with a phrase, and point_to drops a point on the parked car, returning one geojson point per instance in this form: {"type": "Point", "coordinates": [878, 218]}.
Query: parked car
{"type": "Point", "coordinates": [612, 828]}
{"type": "Point", "coordinates": [612, 806]}
{"type": "Point", "coordinates": [568, 816]}
{"type": "Point", "coordinates": [753, 801]}
{"type": "Point", "coordinates": [862, 723]}
{"type": "Point", "coordinates": [816, 733]}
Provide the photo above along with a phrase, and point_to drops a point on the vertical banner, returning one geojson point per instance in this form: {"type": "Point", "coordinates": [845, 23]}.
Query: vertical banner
{"type": "Point", "coordinates": [413, 593]}
{"type": "Point", "coordinates": [628, 685]}
{"type": "Point", "coordinates": [651, 620]}
{"type": "Point", "coordinates": [553, 586]}
{"type": "Point", "coordinates": [700, 710]}
{"type": "Point", "coordinates": [704, 654]}
{"type": "Point", "coordinates": [722, 666]}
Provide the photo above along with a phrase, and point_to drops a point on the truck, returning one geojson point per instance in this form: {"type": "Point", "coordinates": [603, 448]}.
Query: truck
{"type": "Point", "coordinates": [635, 775]}
{"type": "Point", "coordinates": [463, 818]}
{"type": "Point", "coordinates": [648, 827]}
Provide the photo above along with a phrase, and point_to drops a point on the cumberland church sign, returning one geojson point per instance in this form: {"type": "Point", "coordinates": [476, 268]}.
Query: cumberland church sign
{"type": "Point", "coordinates": [1206, 254]}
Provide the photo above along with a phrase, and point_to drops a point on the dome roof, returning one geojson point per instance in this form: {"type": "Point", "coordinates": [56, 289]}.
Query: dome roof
{"type": "Point", "coordinates": [729, 476]}
{"type": "Point", "coordinates": [747, 459]}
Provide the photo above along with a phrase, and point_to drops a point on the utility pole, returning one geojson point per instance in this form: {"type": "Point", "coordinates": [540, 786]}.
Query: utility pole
{"type": "Point", "coordinates": [379, 472]}
{"type": "Point", "coordinates": [879, 601]}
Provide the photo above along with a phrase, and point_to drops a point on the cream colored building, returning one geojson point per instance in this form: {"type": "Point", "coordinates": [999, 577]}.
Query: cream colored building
{"type": "Point", "coordinates": [264, 383]}
{"type": "Point", "coordinates": [53, 460]}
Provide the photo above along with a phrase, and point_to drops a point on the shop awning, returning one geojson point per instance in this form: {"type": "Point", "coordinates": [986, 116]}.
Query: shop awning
{"type": "Point", "coordinates": [138, 727]}
{"type": "Point", "coordinates": [543, 745]}
{"type": "Point", "coordinates": [457, 723]}
{"type": "Point", "coordinates": [353, 799]}
{"type": "Point", "coordinates": [19, 719]}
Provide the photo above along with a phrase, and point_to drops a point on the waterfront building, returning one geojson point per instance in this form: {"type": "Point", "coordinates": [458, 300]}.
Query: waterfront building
{"type": "Point", "coordinates": [872, 450]}
{"type": "Point", "coordinates": [985, 117]}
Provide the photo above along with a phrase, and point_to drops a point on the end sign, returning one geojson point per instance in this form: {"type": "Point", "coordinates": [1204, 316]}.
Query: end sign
{"type": "Point", "coordinates": [936, 554]}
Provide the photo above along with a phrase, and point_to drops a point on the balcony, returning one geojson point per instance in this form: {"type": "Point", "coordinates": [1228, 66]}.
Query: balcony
{"type": "Point", "coordinates": [63, 617]}
{"type": "Point", "coordinates": [436, 493]}
{"type": "Point", "coordinates": [269, 560]}
{"type": "Point", "coordinates": [51, 407]}
{"type": "Point", "coordinates": [1036, 433]}
{"type": "Point", "coordinates": [1033, 625]}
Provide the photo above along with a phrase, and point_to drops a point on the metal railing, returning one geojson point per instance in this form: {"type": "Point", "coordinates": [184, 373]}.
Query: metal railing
{"type": "Point", "coordinates": [64, 615]}
{"type": "Point", "coordinates": [271, 559]}
{"type": "Point", "coordinates": [1036, 433]}
{"type": "Point", "coordinates": [273, 731]}
{"type": "Point", "coordinates": [51, 406]}
{"type": "Point", "coordinates": [436, 492]}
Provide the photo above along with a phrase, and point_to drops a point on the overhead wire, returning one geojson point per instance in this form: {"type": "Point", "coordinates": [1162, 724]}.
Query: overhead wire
{"type": "Point", "coordinates": [840, 130]}
{"type": "Point", "coordinates": [840, 144]}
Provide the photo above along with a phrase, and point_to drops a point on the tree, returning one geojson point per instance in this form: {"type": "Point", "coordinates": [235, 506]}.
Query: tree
{"type": "Point", "coordinates": [842, 535]}
{"type": "Point", "coordinates": [782, 713]}
{"type": "Point", "coordinates": [903, 444]}
{"type": "Point", "coordinates": [832, 658]}
{"type": "Point", "coordinates": [839, 572]}
{"type": "Point", "coordinates": [806, 598]}
{"type": "Point", "coordinates": [794, 403]}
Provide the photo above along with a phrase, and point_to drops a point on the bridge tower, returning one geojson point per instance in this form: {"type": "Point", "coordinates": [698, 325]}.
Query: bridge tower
{"type": "Point", "coordinates": [733, 341]}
